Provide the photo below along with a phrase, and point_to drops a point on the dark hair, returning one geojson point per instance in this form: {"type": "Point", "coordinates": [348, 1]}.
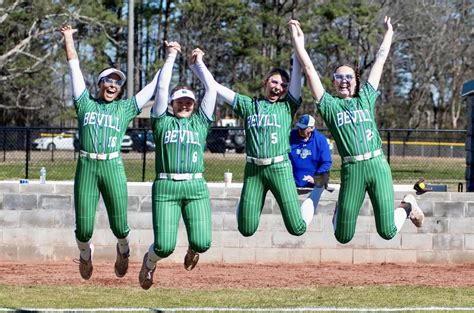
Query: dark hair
{"type": "Point", "coordinates": [356, 70]}
{"type": "Point", "coordinates": [278, 70]}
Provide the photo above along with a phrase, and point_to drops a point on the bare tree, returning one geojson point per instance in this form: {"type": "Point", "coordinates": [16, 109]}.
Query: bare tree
{"type": "Point", "coordinates": [432, 58]}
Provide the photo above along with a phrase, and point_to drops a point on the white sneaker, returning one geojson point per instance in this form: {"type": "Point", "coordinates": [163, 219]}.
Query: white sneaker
{"type": "Point", "coordinates": [145, 277]}
{"type": "Point", "coordinates": [85, 266]}
{"type": "Point", "coordinates": [416, 215]}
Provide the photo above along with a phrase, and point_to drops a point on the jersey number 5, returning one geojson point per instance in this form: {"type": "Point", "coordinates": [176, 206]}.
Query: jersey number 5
{"type": "Point", "coordinates": [274, 138]}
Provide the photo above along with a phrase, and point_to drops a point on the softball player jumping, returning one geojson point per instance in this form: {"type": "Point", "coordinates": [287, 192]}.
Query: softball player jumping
{"type": "Point", "coordinates": [268, 120]}
{"type": "Point", "coordinates": [102, 124]}
{"type": "Point", "coordinates": [351, 119]}
{"type": "Point", "coordinates": [179, 187]}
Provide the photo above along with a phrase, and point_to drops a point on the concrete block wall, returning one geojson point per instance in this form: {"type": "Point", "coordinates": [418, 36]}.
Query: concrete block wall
{"type": "Point", "coordinates": [37, 224]}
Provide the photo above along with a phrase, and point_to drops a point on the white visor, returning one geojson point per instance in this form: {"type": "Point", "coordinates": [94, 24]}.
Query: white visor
{"type": "Point", "coordinates": [183, 93]}
{"type": "Point", "coordinates": [110, 71]}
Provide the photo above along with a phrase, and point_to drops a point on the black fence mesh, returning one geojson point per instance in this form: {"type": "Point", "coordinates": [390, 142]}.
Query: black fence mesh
{"type": "Point", "coordinates": [436, 155]}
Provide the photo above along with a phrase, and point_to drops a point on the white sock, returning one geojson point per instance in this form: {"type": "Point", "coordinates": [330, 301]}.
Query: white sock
{"type": "Point", "coordinates": [152, 258]}
{"type": "Point", "coordinates": [307, 211]}
{"type": "Point", "coordinates": [84, 249]}
{"type": "Point", "coordinates": [123, 245]}
{"type": "Point", "coordinates": [400, 216]}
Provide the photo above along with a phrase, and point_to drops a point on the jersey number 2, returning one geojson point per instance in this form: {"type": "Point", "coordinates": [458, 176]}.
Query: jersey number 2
{"type": "Point", "coordinates": [369, 134]}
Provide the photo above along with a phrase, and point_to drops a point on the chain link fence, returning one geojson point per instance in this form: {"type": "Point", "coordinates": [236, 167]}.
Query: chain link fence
{"type": "Point", "coordinates": [436, 155]}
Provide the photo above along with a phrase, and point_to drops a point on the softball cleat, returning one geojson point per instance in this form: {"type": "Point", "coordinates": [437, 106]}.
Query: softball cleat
{"type": "Point", "coordinates": [145, 277]}
{"type": "Point", "coordinates": [85, 266]}
{"type": "Point", "coordinates": [121, 263]}
{"type": "Point", "coordinates": [416, 215]}
{"type": "Point", "coordinates": [191, 259]}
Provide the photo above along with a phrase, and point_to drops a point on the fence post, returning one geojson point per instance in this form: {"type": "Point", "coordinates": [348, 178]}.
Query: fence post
{"type": "Point", "coordinates": [389, 147]}
{"type": "Point", "coordinates": [4, 145]}
{"type": "Point", "coordinates": [144, 155]}
{"type": "Point", "coordinates": [28, 144]}
{"type": "Point", "coordinates": [52, 147]}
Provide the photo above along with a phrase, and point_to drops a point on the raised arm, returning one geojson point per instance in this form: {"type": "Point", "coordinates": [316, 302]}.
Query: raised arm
{"type": "Point", "coordinates": [376, 71]}
{"type": "Point", "coordinates": [225, 93]}
{"type": "Point", "coordinates": [198, 67]}
{"type": "Point", "coordinates": [78, 84]}
{"type": "Point", "coordinates": [295, 78]}
{"type": "Point", "coordinates": [144, 95]}
{"type": "Point", "coordinates": [69, 47]}
{"type": "Point", "coordinates": [312, 76]}
{"type": "Point", "coordinates": [164, 78]}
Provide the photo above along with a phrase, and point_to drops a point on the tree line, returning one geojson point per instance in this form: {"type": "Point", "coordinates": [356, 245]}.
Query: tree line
{"type": "Point", "coordinates": [430, 59]}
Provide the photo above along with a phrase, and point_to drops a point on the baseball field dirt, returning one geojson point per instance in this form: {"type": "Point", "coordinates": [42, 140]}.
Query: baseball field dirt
{"type": "Point", "coordinates": [243, 275]}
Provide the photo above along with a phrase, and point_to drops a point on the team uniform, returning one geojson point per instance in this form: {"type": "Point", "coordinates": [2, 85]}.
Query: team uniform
{"type": "Point", "coordinates": [179, 187]}
{"type": "Point", "coordinates": [100, 169]}
{"type": "Point", "coordinates": [267, 130]}
{"type": "Point", "coordinates": [364, 167]}
{"type": "Point", "coordinates": [309, 157]}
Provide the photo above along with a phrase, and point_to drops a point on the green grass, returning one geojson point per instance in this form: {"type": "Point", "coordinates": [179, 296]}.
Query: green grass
{"type": "Point", "coordinates": [356, 297]}
{"type": "Point", "coordinates": [404, 170]}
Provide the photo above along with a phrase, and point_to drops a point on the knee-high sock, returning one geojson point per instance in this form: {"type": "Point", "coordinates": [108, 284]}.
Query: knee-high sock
{"type": "Point", "coordinates": [123, 245]}
{"type": "Point", "coordinates": [152, 258]}
{"type": "Point", "coordinates": [309, 206]}
{"type": "Point", "coordinates": [85, 249]}
{"type": "Point", "coordinates": [400, 218]}
{"type": "Point", "coordinates": [307, 211]}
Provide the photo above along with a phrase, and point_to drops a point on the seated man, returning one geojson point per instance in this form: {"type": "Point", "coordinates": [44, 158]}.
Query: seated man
{"type": "Point", "coordinates": [311, 160]}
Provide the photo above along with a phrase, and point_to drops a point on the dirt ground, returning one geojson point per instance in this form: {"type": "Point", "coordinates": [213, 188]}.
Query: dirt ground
{"type": "Point", "coordinates": [243, 275]}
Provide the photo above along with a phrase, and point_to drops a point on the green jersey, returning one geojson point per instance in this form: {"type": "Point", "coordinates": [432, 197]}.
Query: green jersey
{"type": "Point", "coordinates": [267, 124]}
{"type": "Point", "coordinates": [352, 121]}
{"type": "Point", "coordinates": [180, 143]}
{"type": "Point", "coordinates": [102, 124]}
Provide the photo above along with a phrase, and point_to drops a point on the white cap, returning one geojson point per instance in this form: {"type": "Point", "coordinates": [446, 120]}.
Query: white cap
{"type": "Point", "coordinates": [305, 121]}
{"type": "Point", "coordinates": [110, 71]}
{"type": "Point", "coordinates": [183, 93]}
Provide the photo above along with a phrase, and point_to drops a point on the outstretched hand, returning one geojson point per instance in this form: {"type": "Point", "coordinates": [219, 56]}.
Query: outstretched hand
{"type": "Point", "coordinates": [67, 30]}
{"type": "Point", "coordinates": [387, 24]}
{"type": "Point", "coordinates": [172, 47]}
{"type": "Point", "coordinates": [196, 56]}
{"type": "Point", "coordinates": [297, 34]}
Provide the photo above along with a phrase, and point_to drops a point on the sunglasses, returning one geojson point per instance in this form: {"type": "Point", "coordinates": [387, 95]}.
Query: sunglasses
{"type": "Point", "coordinates": [109, 82]}
{"type": "Point", "coordinates": [282, 84]}
{"type": "Point", "coordinates": [341, 77]}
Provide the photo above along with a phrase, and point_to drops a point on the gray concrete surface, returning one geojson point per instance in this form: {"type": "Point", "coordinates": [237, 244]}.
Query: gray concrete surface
{"type": "Point", "coordinates": [37, 224]}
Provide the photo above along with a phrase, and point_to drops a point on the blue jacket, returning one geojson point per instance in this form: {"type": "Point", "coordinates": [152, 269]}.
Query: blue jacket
{"type": "Point", "coordinates": [309, 158]}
